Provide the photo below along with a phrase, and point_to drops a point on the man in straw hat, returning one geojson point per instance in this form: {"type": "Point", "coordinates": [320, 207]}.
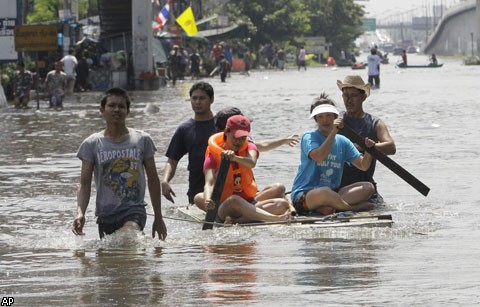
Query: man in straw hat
{"type": "Point", "coordinates": [354, 93]}
{"type": "Point", "coordinates": [323, 155]}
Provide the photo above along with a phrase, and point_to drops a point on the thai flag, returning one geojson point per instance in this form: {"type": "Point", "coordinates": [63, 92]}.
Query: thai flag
{"type": "Point", "coordinates": [162, 17]}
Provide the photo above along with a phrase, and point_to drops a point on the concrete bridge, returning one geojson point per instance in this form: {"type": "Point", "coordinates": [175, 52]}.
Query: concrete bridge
{"type": "Point", "coordinates": [458, 32]}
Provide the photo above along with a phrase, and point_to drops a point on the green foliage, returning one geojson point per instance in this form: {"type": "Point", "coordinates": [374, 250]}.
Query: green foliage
{"type": "Point", "coordinates": [271, 20]}
{"type": "Point", "coordinates": [47, 10]}
{"type": "Point", "coordinates": [8, 70]}
{"type": "Point", "coordinates": [92, 8]}
{"type": "Point", "coordinates": [87, 8]}
{"type": "Point", "coordinates": [339, 21]}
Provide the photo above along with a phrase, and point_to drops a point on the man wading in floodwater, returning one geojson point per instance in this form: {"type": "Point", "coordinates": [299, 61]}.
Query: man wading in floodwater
{"type": "Point", "coordinates": [119, 157]}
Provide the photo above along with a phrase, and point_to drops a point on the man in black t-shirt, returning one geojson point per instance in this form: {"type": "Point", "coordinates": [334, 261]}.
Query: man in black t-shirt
{"type": "Point", "coordinates": [191, 138]}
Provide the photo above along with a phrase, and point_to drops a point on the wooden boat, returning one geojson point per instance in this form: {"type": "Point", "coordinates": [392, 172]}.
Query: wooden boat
{"type": "Point", "coordinates": [401, 65]}
{"type": "Point", "coordinates": [345, 63]}
{"type": "Point", "coordinates": [342, 219]}
{"type": "Point", "coordinates": [359, 65]}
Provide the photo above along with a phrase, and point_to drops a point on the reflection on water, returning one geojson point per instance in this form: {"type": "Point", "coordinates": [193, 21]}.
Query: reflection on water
{"type": "Point", "coordinates": [104, 278]}
{"type": "Point", "coordinates": [232, 279]}
{"type": "Point", "coordinates": [428, 257]}
{"type": "Point", "coordinates": [338, 266]}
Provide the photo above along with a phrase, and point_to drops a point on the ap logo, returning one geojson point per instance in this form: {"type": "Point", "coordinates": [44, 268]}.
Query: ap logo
{"type": "Point", "coordinates": [7, 301]}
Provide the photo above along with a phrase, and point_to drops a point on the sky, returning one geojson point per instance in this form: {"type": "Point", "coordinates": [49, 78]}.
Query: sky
{"type": "Point", "coordinates": [385, 8]}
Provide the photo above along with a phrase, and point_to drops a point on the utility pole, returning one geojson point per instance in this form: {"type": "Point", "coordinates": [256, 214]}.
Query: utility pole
{"type": "Point", "coordinates": [471, 35]}
{"type": "Point", "coordinates": [24, 11]}
{"type": "Point", "coordinates": [477, 26]}
{"type": "Point", "coordinates": [142, 45]}
{"type": "Point", "coordinates": [70, 9]}
{"type": "Point", "coordinates": [223, 19]}
{"type": "Point", "coordinates": [69, 18]}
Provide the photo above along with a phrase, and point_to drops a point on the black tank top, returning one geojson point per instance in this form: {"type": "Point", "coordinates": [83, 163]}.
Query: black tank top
{"type": "Point", "coordinates": [365, 127]}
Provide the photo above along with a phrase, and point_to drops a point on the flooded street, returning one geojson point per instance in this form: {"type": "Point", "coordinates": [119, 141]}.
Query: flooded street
{"type": "Point", "coordinates": [429, 257]}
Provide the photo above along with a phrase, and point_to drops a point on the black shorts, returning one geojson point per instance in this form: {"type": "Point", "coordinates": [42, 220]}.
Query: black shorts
{"type": "Point", "coordinates": [110, 224]}
{"type": "Point", "coordinates": [300, 204]}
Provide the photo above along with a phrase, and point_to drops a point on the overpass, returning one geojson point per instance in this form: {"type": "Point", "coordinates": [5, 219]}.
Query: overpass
{"type": "Point", "coordinates": [458, 31]}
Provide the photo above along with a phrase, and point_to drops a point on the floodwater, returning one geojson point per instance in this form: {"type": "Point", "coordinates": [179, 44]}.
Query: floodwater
{"type": "Point", "coordinates": [429, 257]}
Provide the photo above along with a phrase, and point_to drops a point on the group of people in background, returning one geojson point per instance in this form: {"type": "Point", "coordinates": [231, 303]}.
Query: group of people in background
{"type": "Point", "coordinates": [219, 60]}
{"type": "Point", "coordinates": [70, 73]}
{"type": "Point", "coordinates": [333, 175]}
{"type": "Point", "coordinates": [58, 83]}
{"type": "Point", "coordinates": [177, 63]}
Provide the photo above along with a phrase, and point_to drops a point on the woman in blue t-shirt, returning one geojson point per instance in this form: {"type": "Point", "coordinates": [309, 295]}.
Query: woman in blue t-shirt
{"type": "Point", "coordinates": [322, 158]}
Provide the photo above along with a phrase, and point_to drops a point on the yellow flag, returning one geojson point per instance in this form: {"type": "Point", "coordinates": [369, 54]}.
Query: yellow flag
{"type": "Point", "coordinates": [187, 22]}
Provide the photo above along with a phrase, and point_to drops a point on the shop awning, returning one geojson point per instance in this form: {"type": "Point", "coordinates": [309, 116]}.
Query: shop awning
{"type": "Point", "coordinates": [87, 40]}
{"type": "Point", "coordinates": [234, 31]}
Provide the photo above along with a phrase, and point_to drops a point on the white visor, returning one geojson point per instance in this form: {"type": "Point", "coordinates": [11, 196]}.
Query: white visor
{"type": "Point", "coordinates": [323, 108]}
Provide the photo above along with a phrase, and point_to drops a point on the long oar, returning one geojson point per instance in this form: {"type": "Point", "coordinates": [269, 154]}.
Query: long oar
{"type": "Point", "coordinates": [385, 160]}
{"type": "Point", "coordinates": [217, 193]}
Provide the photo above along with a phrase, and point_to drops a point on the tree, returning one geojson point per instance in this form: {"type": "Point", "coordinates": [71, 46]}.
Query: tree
{"type": "Point", "coordinates": [339, 21]}
{"type": "Point", "coordinates": [273, 20]}
{"type": "Point", "coordinates": [92, 8]}
{"type": "Point", "coordinates": [44, 10]}
{"type": "Point", "coordinates": [47, 10]}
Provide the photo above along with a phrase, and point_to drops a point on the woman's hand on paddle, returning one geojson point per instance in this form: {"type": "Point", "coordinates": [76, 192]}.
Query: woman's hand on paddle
{"type": "Point", "coordinates": [338, 123]}
{"type": "Point", "coordinates": [77, 227]}
{"type": "Point", "coordinates": [228, 154]}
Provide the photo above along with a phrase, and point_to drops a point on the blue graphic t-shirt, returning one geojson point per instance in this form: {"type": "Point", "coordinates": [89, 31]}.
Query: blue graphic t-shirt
{"type": "Point", "coordinates": [118, 170]}
{"type": "Point", "coordinates": [311, 174]}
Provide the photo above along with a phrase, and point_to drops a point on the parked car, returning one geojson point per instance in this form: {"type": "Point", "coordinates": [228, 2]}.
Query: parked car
{"type": "Point", "coordinates": [397, 51]}
{"type": "Point", "coordinates": [412, 49]}
{"type": "Point", "coordinates": [387, 47]}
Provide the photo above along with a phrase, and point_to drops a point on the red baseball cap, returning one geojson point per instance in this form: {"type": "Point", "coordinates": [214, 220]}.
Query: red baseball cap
{"type": "Point", "coordinates": [238, 125]}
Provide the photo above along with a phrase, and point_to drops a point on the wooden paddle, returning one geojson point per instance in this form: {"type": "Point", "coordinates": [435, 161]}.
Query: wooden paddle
{"type": "Point", "coordinates": [214, 71]}
{"type": "Point", "coordinates": [217, 193]}
{"type": "Point", "coordinates": [385, 160]}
